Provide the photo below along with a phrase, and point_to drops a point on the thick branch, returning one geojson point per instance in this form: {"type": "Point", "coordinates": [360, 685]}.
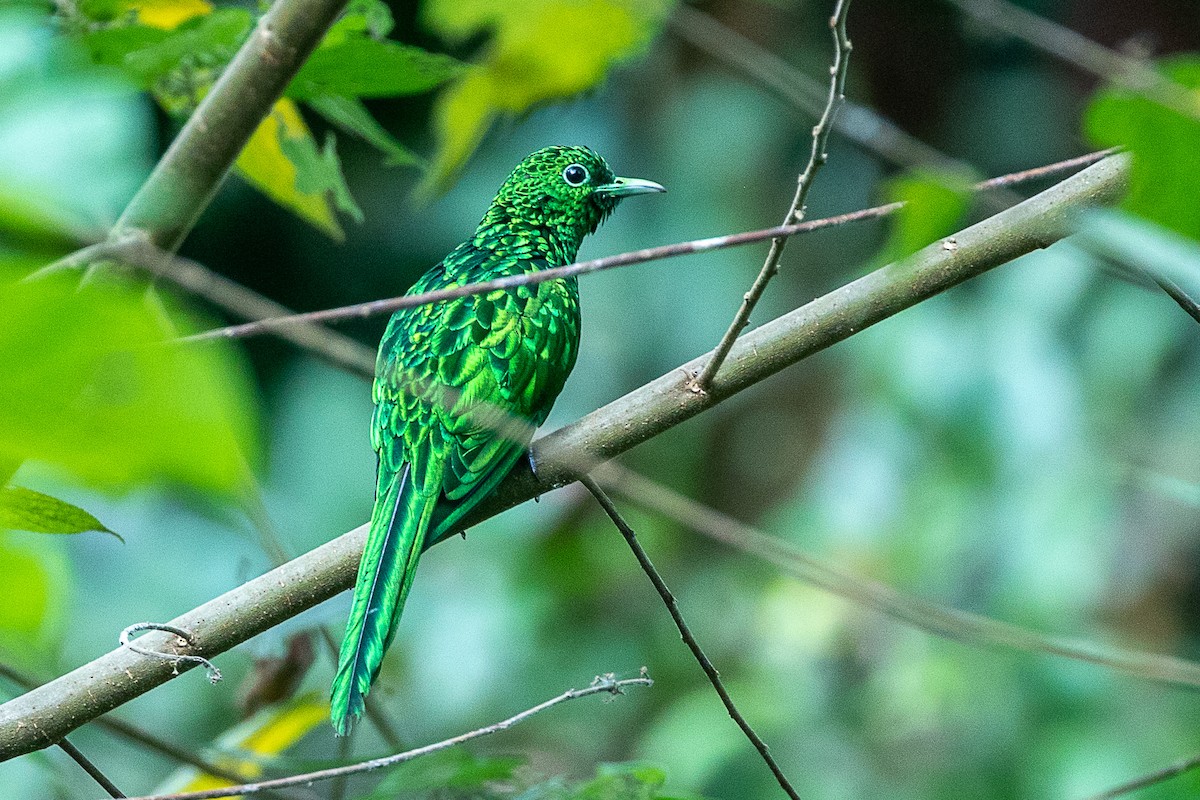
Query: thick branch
{"type": "Point", "coordinates": [41, 717]}
{"type": "Point", "coordinates": [187, 176]}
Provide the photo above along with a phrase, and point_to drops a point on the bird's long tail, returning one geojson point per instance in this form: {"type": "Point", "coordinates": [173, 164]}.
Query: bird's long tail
{"type": "Point", "coordinates": [398, 525]}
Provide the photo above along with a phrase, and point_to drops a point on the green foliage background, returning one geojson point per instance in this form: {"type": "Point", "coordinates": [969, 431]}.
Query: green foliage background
{"type": "Point", "coordinates": [1023, 447]}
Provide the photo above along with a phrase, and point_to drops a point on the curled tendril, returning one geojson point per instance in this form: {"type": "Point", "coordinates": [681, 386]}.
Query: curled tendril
{"type": "Point", "coordinates": [214, 674]}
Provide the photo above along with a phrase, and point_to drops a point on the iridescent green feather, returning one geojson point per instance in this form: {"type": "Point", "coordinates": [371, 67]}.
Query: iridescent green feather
{"type": "Point", "coordinates": [460, 387]}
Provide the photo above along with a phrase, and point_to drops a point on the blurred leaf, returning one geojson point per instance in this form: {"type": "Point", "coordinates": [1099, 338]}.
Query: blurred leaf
{"type": "Point", "coordinates": [1164, 144]}
{"type": "Point", "coordinates": [364, 67]}
{"type": "Point", "coordinates": [246, 746]}
{"type": "Point", "coordinates": [319, 171]}
{"type": "Point", "coordinates": [111, 46]}
{"type": "Point", "coordinates": [455, 769]}
{"type": "Point", "coordinates": [167, 14]}
{"type": "Point", "coordinates": [612, 782]}
{"type": "Point", "coordinates": [26, 510]}
{"type": "Point", "coordinates": [205, 42]}
{"type": "Point", "coordinates": [372, 17]}
{"type": "Point", "coordinates": [935, 204]}
{"type": "Point", "coordinates": [36, 580]}
{"type": "Point", "coordinates": [352, 116]}
{"type": "Point", "coordinates": [108, 400]}
{"type": "Point", "coordinates": [266, 167]}
{"type": "Point", "coordinates": [540, 51]}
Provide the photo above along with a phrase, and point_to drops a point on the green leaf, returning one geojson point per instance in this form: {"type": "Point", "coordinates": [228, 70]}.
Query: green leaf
{"type": "Point", "coordinates": [370, 17]}
{"type": "Point", "coordinates": [265, 166]}
{"type": "Point", "coordinates": [457, 769]}
{"type": "Point", "coordinates": [26, 510]}
{"type": "Point", "coordinates": [364, 67]}
{"type": "Point", "coordinates": [320, 171]}
{"type": "Point", "coordinates": [36, 579]}
{"type": "Point", "coordinates": [206, 42]}
{"type": "Point", "coordinates": [352, 116]}
{"type": "Point", "coordinates": [88, 382]}
{"type": "Point", "coordinates": [112, 47]}
{"type": "Point", "coordinates": [532, 59]}
{"type": "Point", "coordinates": [935, 204]}
{"type": "Point", "coordinates": [1164, 144]}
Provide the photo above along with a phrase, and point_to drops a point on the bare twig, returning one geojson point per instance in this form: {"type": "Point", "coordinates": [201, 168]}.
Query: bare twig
{"type": "Point", "coordinates": [949, 623]}
{"type": "Point", "coordinates": [817, 158]}
{"type": "Point", "coordinates": [304, 331]}
{"type": "Point", "coordinates": [685, 632]}
{"type": "Point", "coordinates": [373, 307]}
{"type": "Point", "coordinates": [1066, 45]}
{"type": "Point", "coordinates": [602, 684]}
{"type": "Point", "coordinates": [1049, 170]}
{"type": "Point", "coordinates": [90, 768]}
{"type": "Point", "coordinates": [1149, 779]}
{"type": "Point", "coordinates": [1176, 293]}
{"type": "Point", "coordinates": [39, 718]}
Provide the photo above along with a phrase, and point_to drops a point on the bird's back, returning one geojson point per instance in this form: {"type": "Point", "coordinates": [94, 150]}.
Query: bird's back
{"type": "Point", "coordinates": [463, 383]}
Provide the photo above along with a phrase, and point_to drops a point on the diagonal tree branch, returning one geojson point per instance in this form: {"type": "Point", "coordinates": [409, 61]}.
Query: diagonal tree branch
{"type": "Point", "coordinates": [816, 159]}
{"type": "Point", "coordinates": [41, 717]}
{"type": "Point", "coordinates": [187, 176]}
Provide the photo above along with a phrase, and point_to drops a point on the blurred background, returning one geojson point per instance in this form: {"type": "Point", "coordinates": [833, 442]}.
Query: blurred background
{"type": "Point", "coordinates": [1023, 447]}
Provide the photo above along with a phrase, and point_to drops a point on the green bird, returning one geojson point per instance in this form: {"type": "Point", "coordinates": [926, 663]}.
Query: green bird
{"type": "Point", "coordinates": [461, 385]}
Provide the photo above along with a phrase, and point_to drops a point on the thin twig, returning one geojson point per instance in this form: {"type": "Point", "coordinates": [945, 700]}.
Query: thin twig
{"type": "Point", "coordinates": [1057, 168]}
{"type": "Point", "coordinates": [302, 329]}
{"type": "Point", "coordinates": [1149, 779]}
{"type": "Point", "coordinates": [817, 158]}
{"type": "Point", "coordinates": [685, 632]}
{"type": "Point", "coordinates": [1176, 293]}
{"type": "Point", "coordinates": [943, 621]}
{"type": "Point", "coordinates": [1062, 43]}
{"type": "Point", "coordinates": [602, 684]}
{"type": "Point", "coordinates": [90, 768]}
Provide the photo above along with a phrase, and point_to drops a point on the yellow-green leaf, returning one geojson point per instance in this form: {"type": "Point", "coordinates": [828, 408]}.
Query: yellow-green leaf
{"type": "Point", "coordinates": [264, 165]}
{"type": "Point", "coordinates": [320, 171]}
{"type": "Point", "coordinates": [88, 382]}
{"type": "Point", "coordinates": [23, 509]}
{"type": "Point", "coordinates": [533, 58]}
{"type": "Point", "coordinates": [352, 116]}
{"type": "Point", "coordinates": [248, 745]}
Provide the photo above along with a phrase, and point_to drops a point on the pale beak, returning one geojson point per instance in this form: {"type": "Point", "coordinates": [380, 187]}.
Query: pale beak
{"type": "Point", "coordinates": [625, 187]}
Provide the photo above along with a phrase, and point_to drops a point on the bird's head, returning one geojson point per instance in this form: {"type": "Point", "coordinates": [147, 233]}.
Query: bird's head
{"type": "Point", "coordinates": [565, 192]}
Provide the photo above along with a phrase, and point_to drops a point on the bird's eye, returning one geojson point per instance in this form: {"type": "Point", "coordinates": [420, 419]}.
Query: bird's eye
{"type": "Point", "coordinates": [575, 175]}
